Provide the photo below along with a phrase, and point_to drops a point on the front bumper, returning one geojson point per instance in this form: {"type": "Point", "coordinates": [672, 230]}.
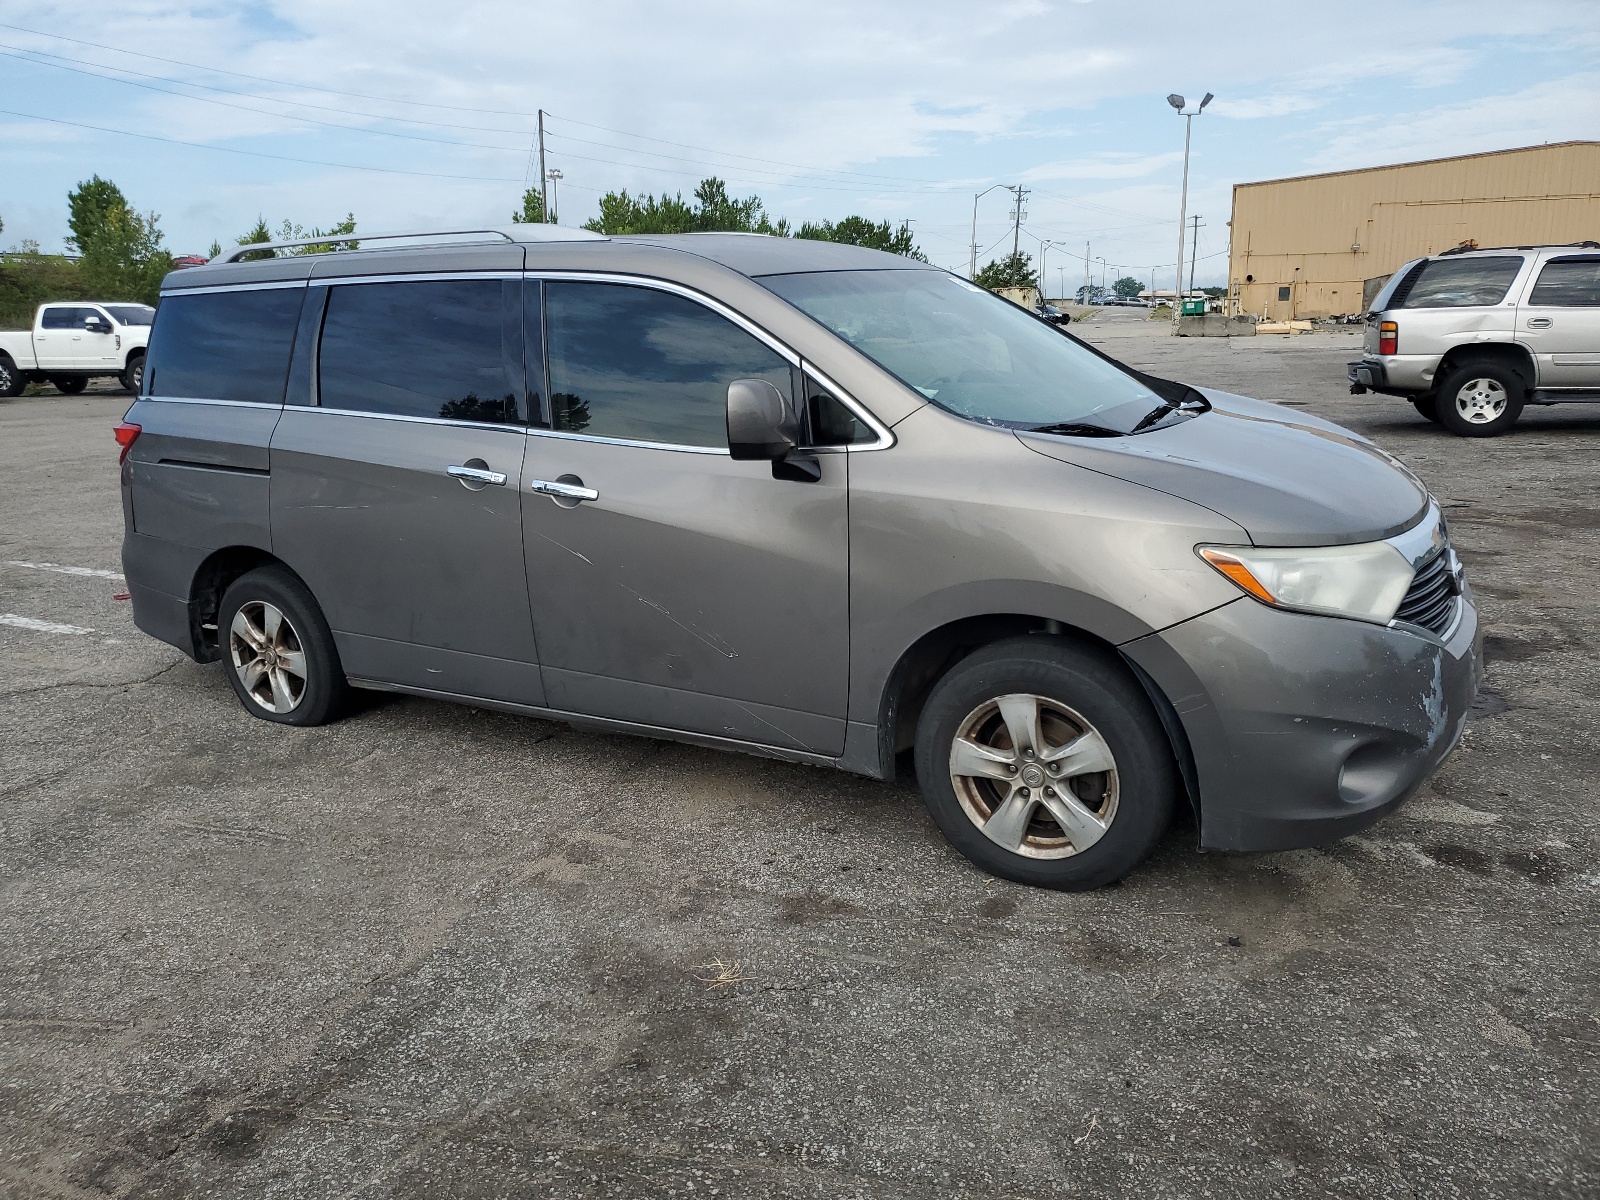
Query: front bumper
{"type": "Point", "coordinates": [1305, 729]}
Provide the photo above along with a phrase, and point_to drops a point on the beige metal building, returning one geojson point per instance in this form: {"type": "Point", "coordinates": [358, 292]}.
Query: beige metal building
{"type": "Point", "coordinates": [1310, 245]}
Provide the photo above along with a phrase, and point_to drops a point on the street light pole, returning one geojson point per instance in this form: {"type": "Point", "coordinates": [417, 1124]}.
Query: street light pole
{"type": "Point", "coordinates": [555, 201]}
{"type": "Point", "coordinates": [972, 271]}
{"type": "Point", "coordinates": [1177, 103]}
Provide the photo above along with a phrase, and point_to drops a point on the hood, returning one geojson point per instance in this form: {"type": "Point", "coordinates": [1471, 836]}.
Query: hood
{"type": "Point", "coordinates": [1287, 477]}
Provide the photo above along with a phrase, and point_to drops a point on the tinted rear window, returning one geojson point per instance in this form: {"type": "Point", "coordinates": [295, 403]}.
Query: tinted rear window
{"type": "Point", "coordinates": [423, 349]}
{"type": "Point", "coordinates": [223, 345]}
{"type": "Point", "coordinates": [1568, 283]}
{"type": "Point", "coordinates": [1462, 282]}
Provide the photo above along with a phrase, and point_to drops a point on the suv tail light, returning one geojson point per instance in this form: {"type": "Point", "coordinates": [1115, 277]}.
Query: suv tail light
{"type": "Point", "coordinates": [1388, 338]}
{"type": "Point", "coordinates": [127, 433]}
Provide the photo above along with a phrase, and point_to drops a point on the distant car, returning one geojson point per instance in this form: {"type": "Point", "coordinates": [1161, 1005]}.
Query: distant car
{"type": "Point", "coordinates": [1054, 315]}
{"type": "Point", "coordinates": [1471, 336]}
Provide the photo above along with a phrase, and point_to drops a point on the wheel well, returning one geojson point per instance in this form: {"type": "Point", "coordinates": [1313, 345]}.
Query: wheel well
{"type": "Point", "coordinates": [1505, 353]}
{"type": "Point", "coordinates": [211, 579]}
{"type": "Point", "coordinates": [932, 655]}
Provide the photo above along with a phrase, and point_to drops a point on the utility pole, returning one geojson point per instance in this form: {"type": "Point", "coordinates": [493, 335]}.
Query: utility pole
{"type": "Point", "coordinates": [1194, 250]}
{"type": "Point", "coordinates": [544, 186]}
{"type": "Point", "coordinates": [1177, 103]}
{"type": "Point", "coordinates": [555, 178]}
{"type": "Point", "coordinates": [1017, 214]}
{"type": "Point", "coordinates": [1088, 285]}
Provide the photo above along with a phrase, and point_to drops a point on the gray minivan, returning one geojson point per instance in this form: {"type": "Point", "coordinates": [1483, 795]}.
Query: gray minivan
{"type": "Point", "coordinates": [801, 499]}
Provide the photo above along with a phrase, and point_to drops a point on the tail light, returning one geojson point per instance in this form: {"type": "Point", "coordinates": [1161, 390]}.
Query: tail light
{"type": "Point", "coordinates": [127, 433]}
{"type": "Point", "coordinates": [1388, 338]}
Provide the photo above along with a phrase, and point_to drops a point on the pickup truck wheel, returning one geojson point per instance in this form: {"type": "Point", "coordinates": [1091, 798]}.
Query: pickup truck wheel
{"type": "Point", "coordinates": [1427, 407]}
{"type": "Point", "coordinates": [12, 381]}
{"type": "Point", "coordinates": [1480, 399]}
{"type": "Point", "coordinates": [69, 385]}
{"type": "Point", "coordinates": [1044, 763]}
{"type": "Point", "coordinates": [133, 378]}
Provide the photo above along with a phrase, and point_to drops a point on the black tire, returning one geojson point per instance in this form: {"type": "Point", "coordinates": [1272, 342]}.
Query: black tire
{"type": "Point", "coordinates": [1426, 408]}
{"type": "Point", "coordinates": [69, 385]}
{"type": "Point", "coordinates": [321, 692]}
{"type": "Point", "coordinates": [1480, 399]}
{"type": "Point", "coordinates": [132, 379]}
{"type": "Point", "coordinates": [1089, 685]}
{"type": "Point", "coordinates": [12, 380]}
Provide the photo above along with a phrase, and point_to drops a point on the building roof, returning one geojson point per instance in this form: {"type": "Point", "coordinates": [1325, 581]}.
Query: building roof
{"type": "Point", "coordinates": [1421, 162]}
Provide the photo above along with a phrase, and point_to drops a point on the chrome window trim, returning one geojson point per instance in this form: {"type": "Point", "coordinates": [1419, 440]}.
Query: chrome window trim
{"type": "Point", "coordinates": [608, 441]}
{"type": "Point", "coordinates": [235, 287]}
{"type": "Point", "coordinates": [204, 400]}
{"type": "Point", "coordinates": [383, 416]}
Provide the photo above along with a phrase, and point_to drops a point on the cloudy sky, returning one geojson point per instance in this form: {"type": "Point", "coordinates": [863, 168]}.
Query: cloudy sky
{"type": "Point", "coordinates": [414, 114]}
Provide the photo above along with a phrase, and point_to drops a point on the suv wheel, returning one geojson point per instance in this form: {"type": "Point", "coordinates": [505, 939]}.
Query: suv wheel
{"type": "Point", "coordinates": [1427, 407]}
{"type": "Point", "coordinates": [1044, 763]}
{"type": "Point", "coordinates": [278, 651]}
{"type": "Point", "coordinates": [1480, 399]}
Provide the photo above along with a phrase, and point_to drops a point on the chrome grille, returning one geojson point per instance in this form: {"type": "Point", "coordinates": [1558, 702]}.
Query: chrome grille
{"type": "Point", "coordinates": [1431, 600]}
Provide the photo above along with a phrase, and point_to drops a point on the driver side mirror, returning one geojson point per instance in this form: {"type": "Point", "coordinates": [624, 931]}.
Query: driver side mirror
{"type": "Point", "coordinates": [761, 425]}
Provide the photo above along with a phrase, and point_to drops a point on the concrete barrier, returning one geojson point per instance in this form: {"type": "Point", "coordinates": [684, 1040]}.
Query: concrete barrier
{"type": "Point", "coordinates": [1216, 325]}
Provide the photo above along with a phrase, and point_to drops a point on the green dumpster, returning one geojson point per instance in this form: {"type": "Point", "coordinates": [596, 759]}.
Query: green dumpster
{"type": "Point", "coordinates": [1194, 308]}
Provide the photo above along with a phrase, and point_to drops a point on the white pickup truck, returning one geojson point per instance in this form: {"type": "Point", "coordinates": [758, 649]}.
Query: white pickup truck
{"type": "Point", "coordinates": [75, 341]}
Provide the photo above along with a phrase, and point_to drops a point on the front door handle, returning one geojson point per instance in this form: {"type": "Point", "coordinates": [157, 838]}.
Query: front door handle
{"type": "Point", "coordinates": [568, 487]}
{"type": "Point", "coordinates": [479, 475]}
{"type": "Point", "coordinates": [1539, 322]}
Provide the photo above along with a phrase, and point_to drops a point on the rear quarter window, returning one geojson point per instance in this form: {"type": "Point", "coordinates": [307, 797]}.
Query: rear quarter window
{"type": "Point", "coordinates": [1462, 282]}
{"type": "Point", "coordinates": [223, 345]}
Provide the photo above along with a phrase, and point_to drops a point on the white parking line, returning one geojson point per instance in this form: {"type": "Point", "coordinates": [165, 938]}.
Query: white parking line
{"type": "Point", "coordinates": [38, 626]}
{"type": "Point", "coordinates": [91, 572]}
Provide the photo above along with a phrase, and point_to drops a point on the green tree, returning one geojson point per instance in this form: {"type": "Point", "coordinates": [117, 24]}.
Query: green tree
{"type": "Point", "coordinates": [88, 207]}
{"type": "Point", "coordinates": [714, 210]}
{"type": "Point", "coordinates": [858, 231]}
{"type": "Point", "coordinates": [1014, 270]}
{"type": "Point", "coordinates": [532, 212]}
{"type": "Point", "coordinates": [1127, 287]}
{"type": "Point", "coordinates": [290, 232]}
{"type": "Point", "coordinates": [123, 258]}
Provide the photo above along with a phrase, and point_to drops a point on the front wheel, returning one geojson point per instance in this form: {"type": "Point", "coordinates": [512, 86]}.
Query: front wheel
{"type": "Point", "coordinates": [278, 651]}
{"type": "Point", "coordinates": [1044, 763]}
{"type": "Point", "coordinates": [1480, 399]}
{"type": "Point", "coordinates": [69, 385]}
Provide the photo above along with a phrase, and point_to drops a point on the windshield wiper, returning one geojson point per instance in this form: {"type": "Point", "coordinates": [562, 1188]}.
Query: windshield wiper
{"type": "Point", "coordinates": [1078, 429]}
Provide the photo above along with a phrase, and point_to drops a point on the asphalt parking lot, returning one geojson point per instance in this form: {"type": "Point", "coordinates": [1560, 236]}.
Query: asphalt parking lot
{"type": "Point", "coordinates": [431, 950]}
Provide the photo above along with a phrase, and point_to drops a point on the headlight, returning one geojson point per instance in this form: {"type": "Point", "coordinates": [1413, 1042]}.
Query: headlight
{"type": "Point", "coordinates": [1366, 582]}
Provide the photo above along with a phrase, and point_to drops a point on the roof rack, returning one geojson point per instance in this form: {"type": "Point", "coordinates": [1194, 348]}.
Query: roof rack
{"type": "Point", "coordinates": [523, 233]}
{"type": "Point", "coordinates": [1465, 248]}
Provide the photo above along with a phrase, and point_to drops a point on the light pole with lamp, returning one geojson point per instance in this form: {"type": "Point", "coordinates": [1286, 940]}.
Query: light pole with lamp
{"type": "Point", "coordinates": [1102, 263]}
{"type": "Point", "coordinates": [1177, 103]}
{"type": "Point", "coordinates": [972, 271]}
{"type": "Point", "coordinates": [555, 177]}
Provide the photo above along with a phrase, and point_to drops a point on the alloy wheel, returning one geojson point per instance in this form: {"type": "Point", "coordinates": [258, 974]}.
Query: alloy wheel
{"type": "Point", "coordinates": [1034, 776]}
{"type": "Point", "coordinates": [1481, 401]}
{"type": "Point", "coordinates": [269, 657]}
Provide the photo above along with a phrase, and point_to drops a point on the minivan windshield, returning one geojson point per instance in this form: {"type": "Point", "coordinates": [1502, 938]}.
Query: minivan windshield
{"type": "Point", "coordinates": [971, 352]}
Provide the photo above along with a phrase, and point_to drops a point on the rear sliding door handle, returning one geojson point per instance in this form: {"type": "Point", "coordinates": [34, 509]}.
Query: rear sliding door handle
{"type": "Point", "coordinates": [1539, 322]}
{"type": "Point", "coordinates": [568, 487]}
{"type": "Point", "coordinates": [478, 475]}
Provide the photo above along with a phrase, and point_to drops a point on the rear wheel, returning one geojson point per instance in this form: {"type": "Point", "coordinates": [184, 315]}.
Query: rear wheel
{"type": "Point", "coordinates": [1427, 407]}
{"type": "Point", "coordinates": [12, 381]}
{"type": "Point", "coordinates": [1480, 399]}
{"type": "Point", "coordinates": [69, 385]}
{"type": "Point", "coordinates": [1043, 762]}
{"type": "Point", "coordinates": [133, 378]}
{"type": "Point", "coordinates": [278, 651]}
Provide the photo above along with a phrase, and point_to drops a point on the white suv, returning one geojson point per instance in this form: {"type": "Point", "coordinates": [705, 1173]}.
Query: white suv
{"type": "Point", "coordinates": [1470, 336]}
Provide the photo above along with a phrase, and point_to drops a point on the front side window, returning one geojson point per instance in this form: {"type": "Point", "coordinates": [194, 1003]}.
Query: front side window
{"type": "Point", "coordinates": [131, 314]}
{"type": "Point", "coordinates": [644, 365]}
{"type": "Point", "coordinates": [1572, 281]}
{"type": "Point", "coordinates": [431, 348]}
{"type": "Point", "coordinates": [1462, 282]}
{"type": "Point", "coordinates": [971, 352]}
{"type": "Point", "coordinates": [223, 345]}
